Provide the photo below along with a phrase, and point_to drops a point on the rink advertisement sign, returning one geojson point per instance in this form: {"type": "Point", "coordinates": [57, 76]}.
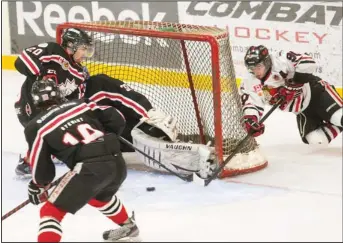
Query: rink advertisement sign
{"type": "Point", "coordinates": [314, 27]}
{"type": "Point", "coordinates": [35, 22]}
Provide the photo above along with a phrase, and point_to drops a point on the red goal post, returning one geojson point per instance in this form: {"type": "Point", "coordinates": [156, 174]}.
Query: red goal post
{"type": "Point", "coordinates": [175, 64]}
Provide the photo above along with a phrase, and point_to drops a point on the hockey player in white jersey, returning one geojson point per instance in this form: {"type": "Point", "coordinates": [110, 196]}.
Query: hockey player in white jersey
{"type": "Point", "coordinates": [289, 75]}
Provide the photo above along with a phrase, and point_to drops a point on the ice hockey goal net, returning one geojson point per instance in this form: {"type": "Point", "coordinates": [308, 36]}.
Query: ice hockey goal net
{"type": "Point", "coordinates": [185, 70]}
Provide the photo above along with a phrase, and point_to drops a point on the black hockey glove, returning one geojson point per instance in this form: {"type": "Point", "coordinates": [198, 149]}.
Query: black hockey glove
{"type": "Point", "coordinates": [37, 194]}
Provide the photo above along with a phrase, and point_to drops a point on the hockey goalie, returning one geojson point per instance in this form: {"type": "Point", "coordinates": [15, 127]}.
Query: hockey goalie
{"type": "Point", "coordinates": [150, 130]}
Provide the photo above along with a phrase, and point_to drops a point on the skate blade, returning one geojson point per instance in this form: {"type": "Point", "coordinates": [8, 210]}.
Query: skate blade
{"type": "Point", "coordinates": [23, 176]}
{"type": "Point", "coordinates": [127, 239]}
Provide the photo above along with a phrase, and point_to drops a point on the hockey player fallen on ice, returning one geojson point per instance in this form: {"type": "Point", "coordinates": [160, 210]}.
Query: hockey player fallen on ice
{"type": "Point", "coordinates": [84, 136]}
{"type": "Point", "coordinates": [60, 62]}
{"type": "Point", "coordinates": [150, 129]}
{"type": "Point", "coordinates": [289, 75]}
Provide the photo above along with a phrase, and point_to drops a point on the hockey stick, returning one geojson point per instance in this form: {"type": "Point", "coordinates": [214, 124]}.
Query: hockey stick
{"type": "Point", "coordinates": [23, 204]}
{"type": "Point", "coordinates": [184, 178]}
{"type": "Point", "coordinates": [239, 146]}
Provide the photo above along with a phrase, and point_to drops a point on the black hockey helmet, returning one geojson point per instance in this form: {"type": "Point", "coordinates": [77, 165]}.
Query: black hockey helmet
{"type": "Point", "coordinates": [46, 92]}
{"type": "Point", "coordinates": [74, 38]}
{"type": "Point", "coordinates": [257, 55]}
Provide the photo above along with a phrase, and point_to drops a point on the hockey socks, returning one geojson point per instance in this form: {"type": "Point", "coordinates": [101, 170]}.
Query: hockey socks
{"type": "Point", "coordinates": [113, 209]}
{"type": "Point", "coordinates": [50, 229]}
{"type": "Point", "coordinates": [331, 131]}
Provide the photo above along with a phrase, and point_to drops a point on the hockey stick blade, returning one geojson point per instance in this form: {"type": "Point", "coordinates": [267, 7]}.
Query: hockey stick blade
{"type": "Point", "coordinates": [239, 146]}
{"type": "Point", "coordinates": [23, 204]}
{"type": "Point", "coordinates": [184, 178]}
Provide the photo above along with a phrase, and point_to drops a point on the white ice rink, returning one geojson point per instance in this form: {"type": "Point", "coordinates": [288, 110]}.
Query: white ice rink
{"type": "Point", "coordinates": [298, 197]}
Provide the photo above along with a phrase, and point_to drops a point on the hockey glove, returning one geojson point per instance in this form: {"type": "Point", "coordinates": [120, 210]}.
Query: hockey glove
{"type": "Point", "coordinates": [287, 93]}
{"type": "Point", "coordinates": [164, 122]}
{"type": "Point", "coordinates": [37, 194]}
{"type": "Point", "coordinates": [252, 126]}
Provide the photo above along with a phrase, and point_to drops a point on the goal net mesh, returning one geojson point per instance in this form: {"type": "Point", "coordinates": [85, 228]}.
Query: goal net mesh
{"type": "Point", "coordinates": [184, 70]}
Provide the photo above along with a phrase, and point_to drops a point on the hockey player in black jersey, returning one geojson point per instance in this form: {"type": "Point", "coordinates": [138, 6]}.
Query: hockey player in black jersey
{"type": "Point", "coordinates": [84, 136]}
{"type": "Point", "coordinates": [289, 75]}
{"type": "Point", "coordinates": [153, 129]}
{"type": "Point", "coordinates": [150, 129]}
{"type": "Point", "coordinates": [60, 62]}
{"type": "Point", "coordinates": [105, 90]}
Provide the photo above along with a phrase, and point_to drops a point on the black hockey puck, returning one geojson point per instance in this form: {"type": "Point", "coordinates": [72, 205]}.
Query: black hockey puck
{"type": "Point", "coordinates": [150, 189]}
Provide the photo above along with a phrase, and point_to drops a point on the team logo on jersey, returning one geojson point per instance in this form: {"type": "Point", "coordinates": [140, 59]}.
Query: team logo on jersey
{"type": "Point", "coordinates": [67, 87]}
{"type": "Point", "coordinates": [28, 109]}
{"type": "Point", "coordinates": [65, 65]}
{"type": "Point", "coordinates": [266, 92]}
{"type": "Point", "coordinates": [257, 88]}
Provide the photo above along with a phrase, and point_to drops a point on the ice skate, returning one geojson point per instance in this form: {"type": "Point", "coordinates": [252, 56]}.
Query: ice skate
{"type": "Point", "coordinates": [128, 232]}
{"type": "Point", "coordinates": [23, 169]}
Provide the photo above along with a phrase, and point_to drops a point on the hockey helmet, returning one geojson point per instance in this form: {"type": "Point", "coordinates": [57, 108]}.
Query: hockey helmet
{"type": "Point", "coordinates": [46, 92]}
{"type": "Point", "coordinates": [75, 38]}
{"type": "Point", "coordinates": [257, 55]}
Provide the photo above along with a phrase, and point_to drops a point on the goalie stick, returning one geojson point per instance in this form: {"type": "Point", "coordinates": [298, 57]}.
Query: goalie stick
{"type": "Point", "coordinates": [184, 178]}
{"type": "Point", "coordinates": [239, 146]}
{"type": "Point", "coordinates": [23, 204]}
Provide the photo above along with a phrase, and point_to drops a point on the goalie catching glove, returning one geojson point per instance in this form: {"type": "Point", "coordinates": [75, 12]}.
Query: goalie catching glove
{"type": "Point", "coordinates": [165, 124]}
{"type": "Point", "coordinates": [181, 158]}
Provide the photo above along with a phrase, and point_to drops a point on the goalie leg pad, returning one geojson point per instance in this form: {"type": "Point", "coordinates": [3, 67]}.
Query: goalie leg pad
{"type": "Point", "coordinates": [182, 158]}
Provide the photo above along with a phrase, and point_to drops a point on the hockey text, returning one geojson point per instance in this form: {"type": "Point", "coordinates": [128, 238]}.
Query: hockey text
{"type": "Point", "coordinates": [43, 20]}
{"type": "Point", "coordinates": [179, 147]}
{"type": "Point", "coordinates": [278, 12]}
{"type": "Point", "coordinates": [274, 12]}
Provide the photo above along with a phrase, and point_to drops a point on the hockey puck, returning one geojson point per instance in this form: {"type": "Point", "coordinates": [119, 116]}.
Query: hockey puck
{"type": "Point", "coordinates": [150, 189]}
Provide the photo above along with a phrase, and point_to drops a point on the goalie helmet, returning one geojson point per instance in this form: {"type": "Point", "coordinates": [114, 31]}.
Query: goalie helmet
{"type": "Point", "coordinates": [46, 92]}
{"type": "Point", "coordinates": [257, 55]}
{"type": "Point", "coordinates": [74, 38]}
